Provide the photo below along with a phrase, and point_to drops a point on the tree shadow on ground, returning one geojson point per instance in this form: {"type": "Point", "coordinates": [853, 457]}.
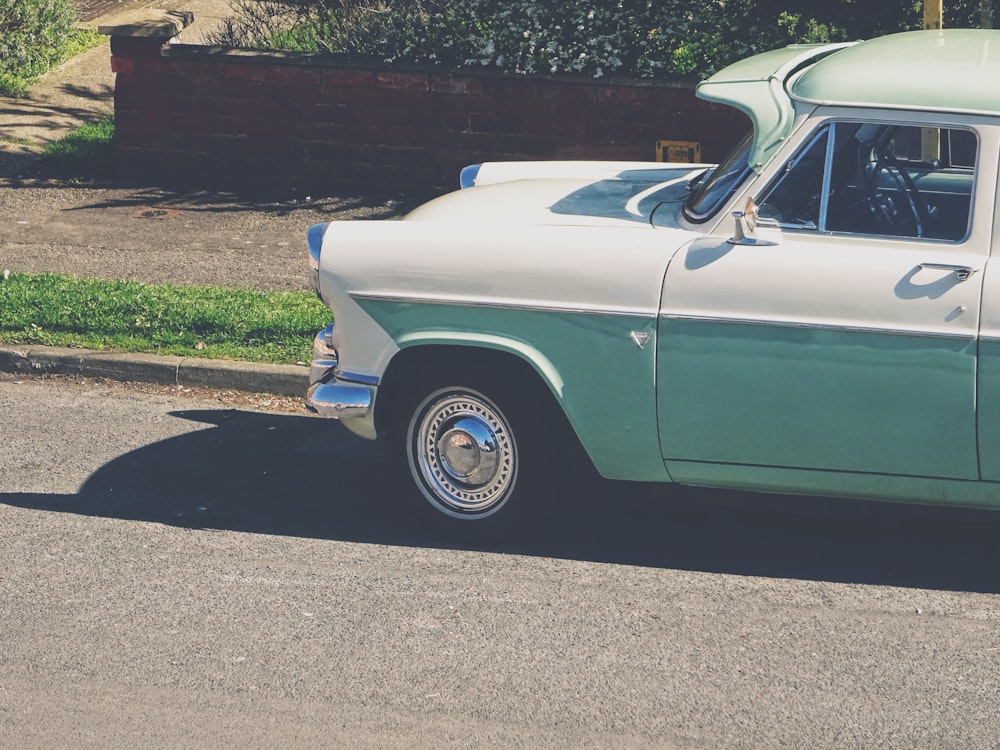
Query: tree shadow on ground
{"type": "Point", "coordinates": [303, 476]}
{"type": "Point", "coordinates": [98, 174]}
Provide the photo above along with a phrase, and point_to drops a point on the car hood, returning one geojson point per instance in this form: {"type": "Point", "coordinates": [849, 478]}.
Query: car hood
{"type": "Point", "coordinates": [626, 198]}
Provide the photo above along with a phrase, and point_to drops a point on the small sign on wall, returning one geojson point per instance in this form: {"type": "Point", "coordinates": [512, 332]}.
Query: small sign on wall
{"type": "Point", "coordinates": [688, 152]}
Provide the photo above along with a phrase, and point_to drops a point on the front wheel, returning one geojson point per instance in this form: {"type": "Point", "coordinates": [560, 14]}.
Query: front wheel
{"type": "Point", "coordinates": [463, 452]}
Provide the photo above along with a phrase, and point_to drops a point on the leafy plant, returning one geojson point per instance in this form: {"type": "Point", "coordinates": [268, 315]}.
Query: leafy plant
{"type": "Point", "coordinates": [87, 153]}
{"type": "Point", "coordinates": [90, 141]}
{"type": "Point", "coordinates": [634, 38]}
{"type": "Point", "coordinates": [34, 35]}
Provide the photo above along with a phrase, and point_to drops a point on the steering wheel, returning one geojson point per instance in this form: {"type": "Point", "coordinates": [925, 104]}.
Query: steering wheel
{"type": "Point", "coordinates": [911, 219]}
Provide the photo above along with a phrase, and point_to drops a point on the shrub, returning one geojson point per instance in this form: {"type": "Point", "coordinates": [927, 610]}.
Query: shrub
{"type": "Point", "coordinates": [633, 38]}
{"type": "Point", "coordinates": [351, 26]}
{"type": "Point", "coordinates": [34, 35]}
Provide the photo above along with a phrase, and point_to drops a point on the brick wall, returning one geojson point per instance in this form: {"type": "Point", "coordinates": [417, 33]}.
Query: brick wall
{"type": "Point", "coordinates": [204, 115]}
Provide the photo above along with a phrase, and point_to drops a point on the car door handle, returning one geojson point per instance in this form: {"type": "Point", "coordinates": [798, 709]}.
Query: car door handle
{"type": "Point", "coordinates": [961, 272]}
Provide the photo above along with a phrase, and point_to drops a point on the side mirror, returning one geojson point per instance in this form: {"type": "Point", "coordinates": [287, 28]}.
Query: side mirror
{"type": "Point", "coordinates": [746, 224]}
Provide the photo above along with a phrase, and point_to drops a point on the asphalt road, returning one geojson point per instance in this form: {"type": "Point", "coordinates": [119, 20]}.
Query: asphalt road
{"type": "Point", "coordinates": [178, 572]}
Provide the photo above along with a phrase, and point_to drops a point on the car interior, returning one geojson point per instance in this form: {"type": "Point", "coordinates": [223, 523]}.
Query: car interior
{"type": "Point", "coordinates": [878, 179]}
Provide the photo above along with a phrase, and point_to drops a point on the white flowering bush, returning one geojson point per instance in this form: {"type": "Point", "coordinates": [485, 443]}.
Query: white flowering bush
{"type": "Point", "coordinates": [633, 38]}
{"type": "Point", "coordinates": [523, 36]}
{"type": "Point", "coordinates": [630, 38]}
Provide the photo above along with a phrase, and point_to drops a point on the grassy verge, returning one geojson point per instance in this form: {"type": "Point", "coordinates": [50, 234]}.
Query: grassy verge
{"type": "Point", "coordinates": [87, 153]}
{"type": "Point", "coordinates": [86, 142]}
{"type": "Point", "coordinates": [129, 316]}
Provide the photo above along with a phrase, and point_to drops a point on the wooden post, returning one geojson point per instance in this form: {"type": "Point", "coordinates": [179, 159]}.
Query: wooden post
{"type": "Point", "coordinates": [930, 138]}
{"type": "Point", "coordinates": [933, 14]}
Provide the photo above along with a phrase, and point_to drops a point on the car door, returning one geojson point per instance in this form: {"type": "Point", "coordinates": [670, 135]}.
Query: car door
{"type": "Point", "coordinates": [988, 391]}
{"type": "Point", "coordinates": [850, 344]}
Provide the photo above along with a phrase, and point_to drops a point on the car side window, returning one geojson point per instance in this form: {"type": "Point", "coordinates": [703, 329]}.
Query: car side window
{"type": "Point", "coordinates": [878, 179]}
{"type": "Point", "coordinates": [795, 199]}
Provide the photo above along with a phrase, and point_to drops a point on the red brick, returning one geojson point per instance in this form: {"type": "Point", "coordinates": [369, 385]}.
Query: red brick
{"type": "Point", "coordinates": [390, 79]}
{"type": "Point", "coordinates": [609, 152]}
{"type": "Point", "coordinates": [348, 77]}
{"type": "Point", "coordinates": [309, 130]}
{"type": "Point", "coordinates": [454, 85]}
{"type": "Point", "coordinates": [191, 123]}
{"type": "Point", "coordinates": [338, 113]}
{"type": "Point", "coordinates": [246, 89]}
{"type": "Point", "coordinates": [242, 109]}
{"type": "Point", "coordinates": [120, 64]}
{"type": "Point", "coordinates": [293, 75]}
{"type": "Point", "coordinates": [501, 123]}
{"type": "Point", "coordinates": [339, 125]}
{"type": "Point", "coordinates": [348, 135]}
{"type": "Point", "coordinates": [386, 116]}
{"type": "Point", "coordinates": [355, 95]}
{"type": "Point", "coordinates": [243, 72]}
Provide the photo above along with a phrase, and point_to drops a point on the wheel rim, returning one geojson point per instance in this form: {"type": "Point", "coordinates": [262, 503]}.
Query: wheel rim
{"type": "Point", "coordinates": [462, 453]}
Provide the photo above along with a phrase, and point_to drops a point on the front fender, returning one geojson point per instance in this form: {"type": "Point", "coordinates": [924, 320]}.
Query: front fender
{"type": "Point", "coordinates": [539, 362]}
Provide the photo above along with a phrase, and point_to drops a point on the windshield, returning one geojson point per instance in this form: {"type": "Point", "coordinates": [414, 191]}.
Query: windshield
{"type": "Point", "coordinates": [713, 187]}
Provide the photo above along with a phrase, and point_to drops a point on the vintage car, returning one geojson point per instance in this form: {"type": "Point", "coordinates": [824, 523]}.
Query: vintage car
{"type": "Point", "coordinates": [814, 315]}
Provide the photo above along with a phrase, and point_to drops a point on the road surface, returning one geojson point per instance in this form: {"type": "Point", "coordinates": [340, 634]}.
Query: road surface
{"type": "Point", "coordinates": [178, 571]}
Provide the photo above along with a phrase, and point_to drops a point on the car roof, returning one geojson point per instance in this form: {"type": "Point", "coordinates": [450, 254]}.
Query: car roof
{"type": "Point", "coordinates": [955, 70]}
{"type": "Point", "coordinates": [950, 70]}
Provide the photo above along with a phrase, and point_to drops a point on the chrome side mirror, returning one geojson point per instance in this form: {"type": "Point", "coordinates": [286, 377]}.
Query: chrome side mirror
{"type": "Point", "coordinates": [746, 224]}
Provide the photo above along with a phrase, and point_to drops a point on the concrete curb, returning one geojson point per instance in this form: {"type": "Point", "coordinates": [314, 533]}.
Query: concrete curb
{"type": "Point", "coordinates": [252, 377]}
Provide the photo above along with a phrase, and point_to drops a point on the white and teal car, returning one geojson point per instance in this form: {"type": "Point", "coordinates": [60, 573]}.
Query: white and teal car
{"type": "Point", "coordinates": [816, 314]}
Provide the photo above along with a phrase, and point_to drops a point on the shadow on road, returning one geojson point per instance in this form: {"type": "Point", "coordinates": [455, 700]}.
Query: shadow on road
{"type": "Point", "coordinates": [301, 476]}
{"type": "Point", "coordinates": [95, 172]}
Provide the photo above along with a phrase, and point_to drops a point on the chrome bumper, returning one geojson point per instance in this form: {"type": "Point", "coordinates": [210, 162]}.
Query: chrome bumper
{"type": "Point", "coordinates": [340, 400]}
{"type": "Point", "coordinates": [332, 395]}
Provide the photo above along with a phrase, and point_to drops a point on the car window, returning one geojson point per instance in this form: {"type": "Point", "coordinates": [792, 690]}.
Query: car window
{"type": "Point", "coordinates": [878, 179]}
{"type": "Point", "coordinates": [795, 199]}
{"type": "Point", "coordinates": [712, 188]}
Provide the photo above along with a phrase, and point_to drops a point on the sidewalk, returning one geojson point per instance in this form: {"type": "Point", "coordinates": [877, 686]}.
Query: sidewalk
{"type": "Point", "coordinates": [146, 234]}
{"type": "Point", "coordinates": [81, 90]}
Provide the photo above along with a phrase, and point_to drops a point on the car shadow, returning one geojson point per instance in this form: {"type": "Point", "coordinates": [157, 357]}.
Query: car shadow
{"type": "Point", "coordinates": [302, 476]}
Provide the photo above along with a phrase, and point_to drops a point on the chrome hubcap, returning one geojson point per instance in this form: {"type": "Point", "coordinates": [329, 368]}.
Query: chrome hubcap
{"type": "Point", "coordinates": [462, 453]}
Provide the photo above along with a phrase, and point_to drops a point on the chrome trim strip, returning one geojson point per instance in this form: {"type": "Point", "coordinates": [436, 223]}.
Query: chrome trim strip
{"type": "Point", "coordinates": [824, 203]}
{"type": "Point", "coordinates": [819, 471]}
{"type": "Point", "coordinates": [537, 307]}
{"type": "Point", "coordinates": [970, 336]}
{"type": "Point", "coordinates": [355, 378]}
{"type": "Point", "coordinates": [901, 107]}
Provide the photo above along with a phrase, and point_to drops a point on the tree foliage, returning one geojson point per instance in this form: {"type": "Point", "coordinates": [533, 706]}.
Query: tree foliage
{"type": "Point", "coordinates": [635, 38]}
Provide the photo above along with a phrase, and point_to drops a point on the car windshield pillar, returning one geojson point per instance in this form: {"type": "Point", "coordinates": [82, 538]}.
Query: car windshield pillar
{"type": "Point", "coordinates": [713, 190]}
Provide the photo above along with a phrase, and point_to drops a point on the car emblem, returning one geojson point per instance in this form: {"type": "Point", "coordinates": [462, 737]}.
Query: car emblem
{"type": "Point", "coordinates": [641, 338]}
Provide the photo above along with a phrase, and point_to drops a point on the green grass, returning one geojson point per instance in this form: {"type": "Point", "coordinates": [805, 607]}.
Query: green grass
{"type": "Point", "coordinates": [87, 153]}
{"type": "Point", "coordinates": [86, 142]}
{"type": "Point", "coordinates": [128, 316]}
{"type": "Point", "coordinates": [17, 82]}
{"type": "Point", "coordinates": [80, 41]}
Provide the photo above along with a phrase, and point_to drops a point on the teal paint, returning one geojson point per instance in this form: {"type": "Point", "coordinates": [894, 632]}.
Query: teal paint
{"type": "Point", "coordinates": [841, 400]}
{"type": "Point", "coordinates": [601, 378]}
{"type": "Point", "coordinates": [989, 410]}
